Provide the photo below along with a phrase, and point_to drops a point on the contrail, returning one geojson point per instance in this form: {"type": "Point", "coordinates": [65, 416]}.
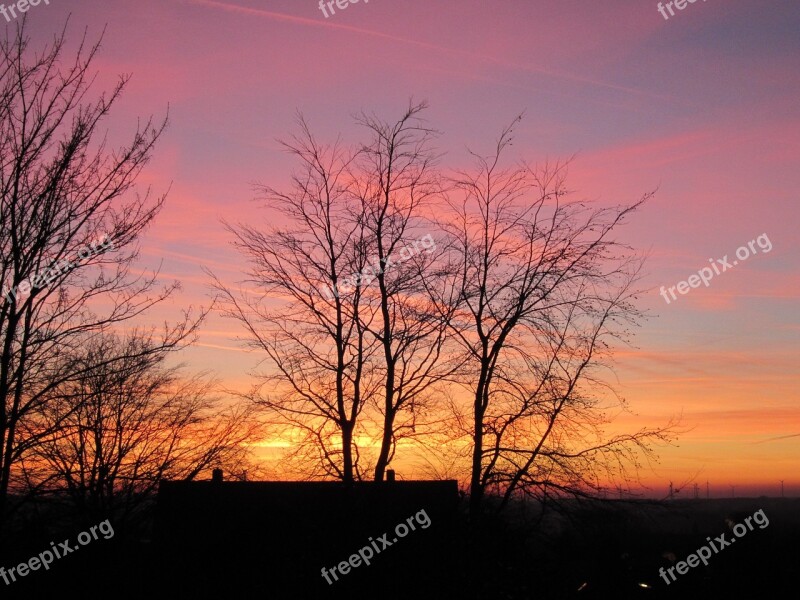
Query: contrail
{"type": "Point", "coordinates": [327, 24]}
{"type": "Point", "coordinates": [781, 437]}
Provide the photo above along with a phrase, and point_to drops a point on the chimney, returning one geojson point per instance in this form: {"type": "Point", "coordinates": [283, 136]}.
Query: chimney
{"type": "Point", "coordinates": [390, 475]}
{"type": "Point", "coordinates": [216, 476]}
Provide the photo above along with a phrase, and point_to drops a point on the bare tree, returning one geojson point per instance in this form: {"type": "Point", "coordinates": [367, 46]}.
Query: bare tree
{"type": "Point", "coordinates": [311, 323]}
{"type": "Point", "coordinates": [543, 291]}
{"type": "Point", "coordinates": [396, 182]}
{"type": "Point", "coordinates": [349, 272]}
{"type": "Point", "coordinates": [62, 191]}
{"type": "Point", "coordinates": [532, 289]}
{"type": "Point", "coordinates": [128, 422]}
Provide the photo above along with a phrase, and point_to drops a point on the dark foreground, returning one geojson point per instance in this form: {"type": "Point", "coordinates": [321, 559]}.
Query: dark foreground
{"type": "Point", "coordinates": [273, 542]}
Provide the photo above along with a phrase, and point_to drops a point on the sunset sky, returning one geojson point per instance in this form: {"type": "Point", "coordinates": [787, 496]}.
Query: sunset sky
{"type": "Point", "coordinates": [702, 107]}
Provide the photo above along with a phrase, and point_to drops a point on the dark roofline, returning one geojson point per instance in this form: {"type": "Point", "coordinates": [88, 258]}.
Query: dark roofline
{"type": "Point", "coordinates": [414, 483]}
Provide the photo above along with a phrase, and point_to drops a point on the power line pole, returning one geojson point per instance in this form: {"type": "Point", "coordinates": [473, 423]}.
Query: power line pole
{"type": "Point", "coordinates": [781, 488]}
{"type": "Point", "coordinates": [696, 491]}
{"type": "Point", "coordinates": [708, 494]}
{"type": "Point", "coordinates": [733, 491]}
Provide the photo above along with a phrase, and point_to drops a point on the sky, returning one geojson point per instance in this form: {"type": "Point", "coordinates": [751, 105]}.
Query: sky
{"type": "Point", "coordinates": [701, 107]}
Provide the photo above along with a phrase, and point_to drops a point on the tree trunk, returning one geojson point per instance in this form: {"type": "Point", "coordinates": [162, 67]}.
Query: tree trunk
{"type": "Point", "coordinates": [388, 419]}
{"type": "Point", "coordinates": [386, 443]}
{"type": "Point", "coordinates": [347, 453]}
{"type": "Point", "coordinates": [476, 485]}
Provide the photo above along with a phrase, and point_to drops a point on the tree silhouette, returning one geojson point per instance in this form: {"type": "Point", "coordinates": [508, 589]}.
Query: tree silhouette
{"type": "Point", "coordinates": [315, 338]}
{"type": "Point", "coordinates": [519, 305]}
{"type": "Point", "coordinates": [128, 423]}
{"type": "Point", "coordinates": [397, 183]}
{"type": "Point", "coordinates": [542, 290]}
{"type": "Point", "coordinates": [62, 192]}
